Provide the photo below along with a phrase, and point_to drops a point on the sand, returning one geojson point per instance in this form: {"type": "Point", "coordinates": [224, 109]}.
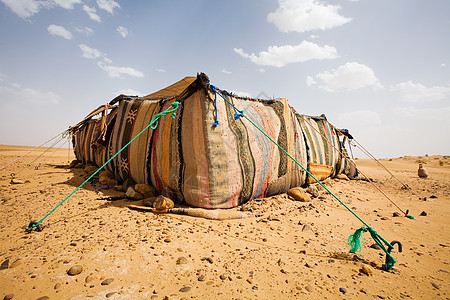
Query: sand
{"type": "Point", "coordinates": [289, 250]}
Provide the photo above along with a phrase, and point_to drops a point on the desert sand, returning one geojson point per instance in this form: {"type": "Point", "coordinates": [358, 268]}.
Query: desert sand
{"type": "Point", "coordinates": [290, 249]}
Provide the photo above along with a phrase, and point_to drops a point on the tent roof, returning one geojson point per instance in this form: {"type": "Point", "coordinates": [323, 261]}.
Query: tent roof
{"type": "Point", "coordinates": [172, 90]}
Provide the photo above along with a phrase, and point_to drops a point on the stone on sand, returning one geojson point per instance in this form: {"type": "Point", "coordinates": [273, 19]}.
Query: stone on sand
{"type": "Point", "coordinates": [146, 190]}
{"type": "Point", "coordinates": [313, 190]}
{"type": "Point", "coordinates": [75, 270]}
{"type": "Point", "coordinates": [422, 172]}
{"type": "Point", "coordinates": [163, 203]}
{"type": "Point", "coordinates": [132, 194]}
{"type": "Point", "coordinates": [299, 194]}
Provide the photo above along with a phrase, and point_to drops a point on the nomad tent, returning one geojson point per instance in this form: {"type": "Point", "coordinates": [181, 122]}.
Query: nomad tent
{"type": "Point", "coordinates": [207, 153]}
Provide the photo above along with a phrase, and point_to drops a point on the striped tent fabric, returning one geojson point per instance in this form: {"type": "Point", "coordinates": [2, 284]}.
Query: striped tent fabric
{"type": "Point", "coordinates": [189, 159]}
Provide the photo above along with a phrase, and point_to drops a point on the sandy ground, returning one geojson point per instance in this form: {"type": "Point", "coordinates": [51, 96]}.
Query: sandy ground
{"type": "Point", "coordinates": [289, 250]}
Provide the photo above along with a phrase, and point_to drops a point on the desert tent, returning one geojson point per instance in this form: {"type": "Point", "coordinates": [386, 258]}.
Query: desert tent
{"type": "Point", "coordinates": [206, 154]}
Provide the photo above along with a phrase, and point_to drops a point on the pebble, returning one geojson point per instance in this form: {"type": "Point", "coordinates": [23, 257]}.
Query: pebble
{"type": "Point", "coordinates": [185, 289]}
{"type": "Point", "coordinates": [57, 286]}
{"type": "Point", "coordinates": [8, 297]}
{"type": "Point", "coordinates": [107, 281]}
{"type": "Point", "coordinates": [342, 290]}
{"type": "Point", "coordinates": [201, 278]}
{"type": "Point", "coordinates": [396, 214]}
{"type": "Point", "coordinates": [75, 270]}
{"type": "Point", "coordinates": [17, 181]}
{"type": "Point", "coordinates": [89, 279]}
{"type": "Point", "coordinates": [309, 288]}
{"type": "Point", "coordinates": [435, 285]}
{"type": "Point", "coordinates": [5, 264]}
{"type": "Point", "coordinates": [423, 214]}
{"type": "Point", "coordinates": [375, 246]}
{"type": "Point", "coordinates": [366, 270]}
{"type": "Point", "coordinates": [43, 298]}
{"type": "Point", "coordinates": [182, 260]}
{"type": "Point", "coordinates": [208, 259]}
{"type": "Point", "coordinates": [299, 194]}
{"type": "Point", "coordinates": [109, 295]}
{"type": "Point", "coordinates": [363, 290]}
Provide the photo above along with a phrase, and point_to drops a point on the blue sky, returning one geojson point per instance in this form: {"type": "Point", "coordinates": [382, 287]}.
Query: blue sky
{"type": "Point", "coordinates": [379, 68]}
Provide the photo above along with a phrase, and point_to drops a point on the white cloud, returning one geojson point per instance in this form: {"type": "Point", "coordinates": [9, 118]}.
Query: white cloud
{"type": "Point", "coordinates": [17, 93]}
{"type": "Point", "coordinates": [84, 30]}
{"type": "Point", "coordinates": [161, 70]}
{"type": "Point", "coordinates": [351, 76]}
{"type": "Point", "coordinates": [91, 11]}
{"type": "Point", "coordinates": [59, 31]}
{"type": "Point", "coordinates": [416, 92]}
{"type": "Point", "coordinates": [122, 31]}
{"type": "Point", "coordinates": [424, 114]}
{"type": "Point", "coordinates": [226, 71]}
{"type": "Point", "coordinates": [443, 65]}
{"type": "Point", "coordinates": [3, 77]}
{"type": "Point", "coordinates": [306, 15]}
{"type": "Point", "coordinates": [279, 56]}
{"type": "Point", "coordinates": [88, 52]}
{"type": "Point", "coordinates": [261, 70]}
{"type": "Point", "coordinates": [117, 72]}
{"type": "Point", "coordinates": [67, 4]}
{"type": "Point", "coordinates": [108, 5]}
{"type": "Point", "coordinates": [364, 118]}
{"type": "Point", "coordinates": [27, 8]}
{"type": "Point", "coordinates": [128, 92]}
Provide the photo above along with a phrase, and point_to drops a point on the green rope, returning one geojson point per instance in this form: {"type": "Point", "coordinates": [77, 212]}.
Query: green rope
{"type": "Point", "coordinates": [353, 239]}
{"type": "Point", "coordinates": [153, 124]}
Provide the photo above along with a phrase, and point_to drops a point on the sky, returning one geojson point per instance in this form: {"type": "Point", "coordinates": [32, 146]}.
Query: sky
{"type": "Point", "coordinates": [378, 68]}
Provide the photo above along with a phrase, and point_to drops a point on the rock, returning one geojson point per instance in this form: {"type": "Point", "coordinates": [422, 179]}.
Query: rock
{"type": "Point", "coordinates": [43, 298]}
{"type": "Point", "coordinates": [342, 177]}
{"type": "Point", "coordinates": [435, 285]}
{"type": "Point", "coordinates": [182, 260]}
{"type": "Point", "coordinates": [313, 190]}
{"type": "Point", "coordinates": [75, 270]}
{"type": "Point", "coordinates": [422, 172]}
{"type": "Point", "coordinates": [423, 214]}
{"type": "Point", "coordinates": [149, 201]}
{"type": "Point", "coordinates": [146, 190]}
{"type": "Point", "coordinates": [309, 288]}
{"type": "Point", "coordinates": [107, 281]}
{"type": "Point", "coordinates": [366, 270]}
{"type": "Point", "coordinates": [185, 289]}
{"type": "Point", "coordinates": [132, 194]}
{"type": "Point", "coordinates": [89, 278]}
{"type": "Point", "coordinates": [5, 264]}
{"type": "Point", "coordinates": [16, 263]}
{"type": "Point", "coordinates": [103, 180]}
{"type": "Point", "coordinates": [8, 297]}
{"type": "Point", "coordinates": [162, 203]}
{"type": "Point", "coordinates": [106, 173]}
{"type": "Point", "coordinates": [109, 295]}
{"type": "Point", "coordinates": [375, 246]}
{"type": "Point", "coordinates": [208, 259]}
{"type": "Point", "coordinates": [306, 227]}
{"type": "Point", "coordinates": [57, 286]}
{"type": "Point", "coordinates": [112, 182]}
{"type": "Point", "coordinates": [299, 194]}
{"type": "Point", "coordinates": [364, 291]}
{"type": "Point", "coordinates": [201, 278]}
{"type": "Point", "coordinates": [396, 214]}
{"type": "Point", "coordinates": [342, 290]}
{"type": "Point", "coordinates": [17, 181]}
{"type": "Point", "coordinates": [90, 169]}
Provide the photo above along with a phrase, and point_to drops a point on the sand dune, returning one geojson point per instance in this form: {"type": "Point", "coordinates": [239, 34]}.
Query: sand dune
{"type": "Point", "coordinates": [289, 250]}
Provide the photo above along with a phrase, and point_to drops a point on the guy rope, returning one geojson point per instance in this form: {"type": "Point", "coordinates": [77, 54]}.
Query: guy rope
{"type": "Point", "coordinates": [153, 124]}
{"type": "Point", "coordinates": [354, 240]}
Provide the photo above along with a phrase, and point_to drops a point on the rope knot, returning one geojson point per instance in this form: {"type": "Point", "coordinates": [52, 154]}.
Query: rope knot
{"type": "Point", "coordinates": [238, 115]}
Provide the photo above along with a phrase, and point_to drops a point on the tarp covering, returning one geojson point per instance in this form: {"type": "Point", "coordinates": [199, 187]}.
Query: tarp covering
{"type": "Point", "coordinates": [188, 159]}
